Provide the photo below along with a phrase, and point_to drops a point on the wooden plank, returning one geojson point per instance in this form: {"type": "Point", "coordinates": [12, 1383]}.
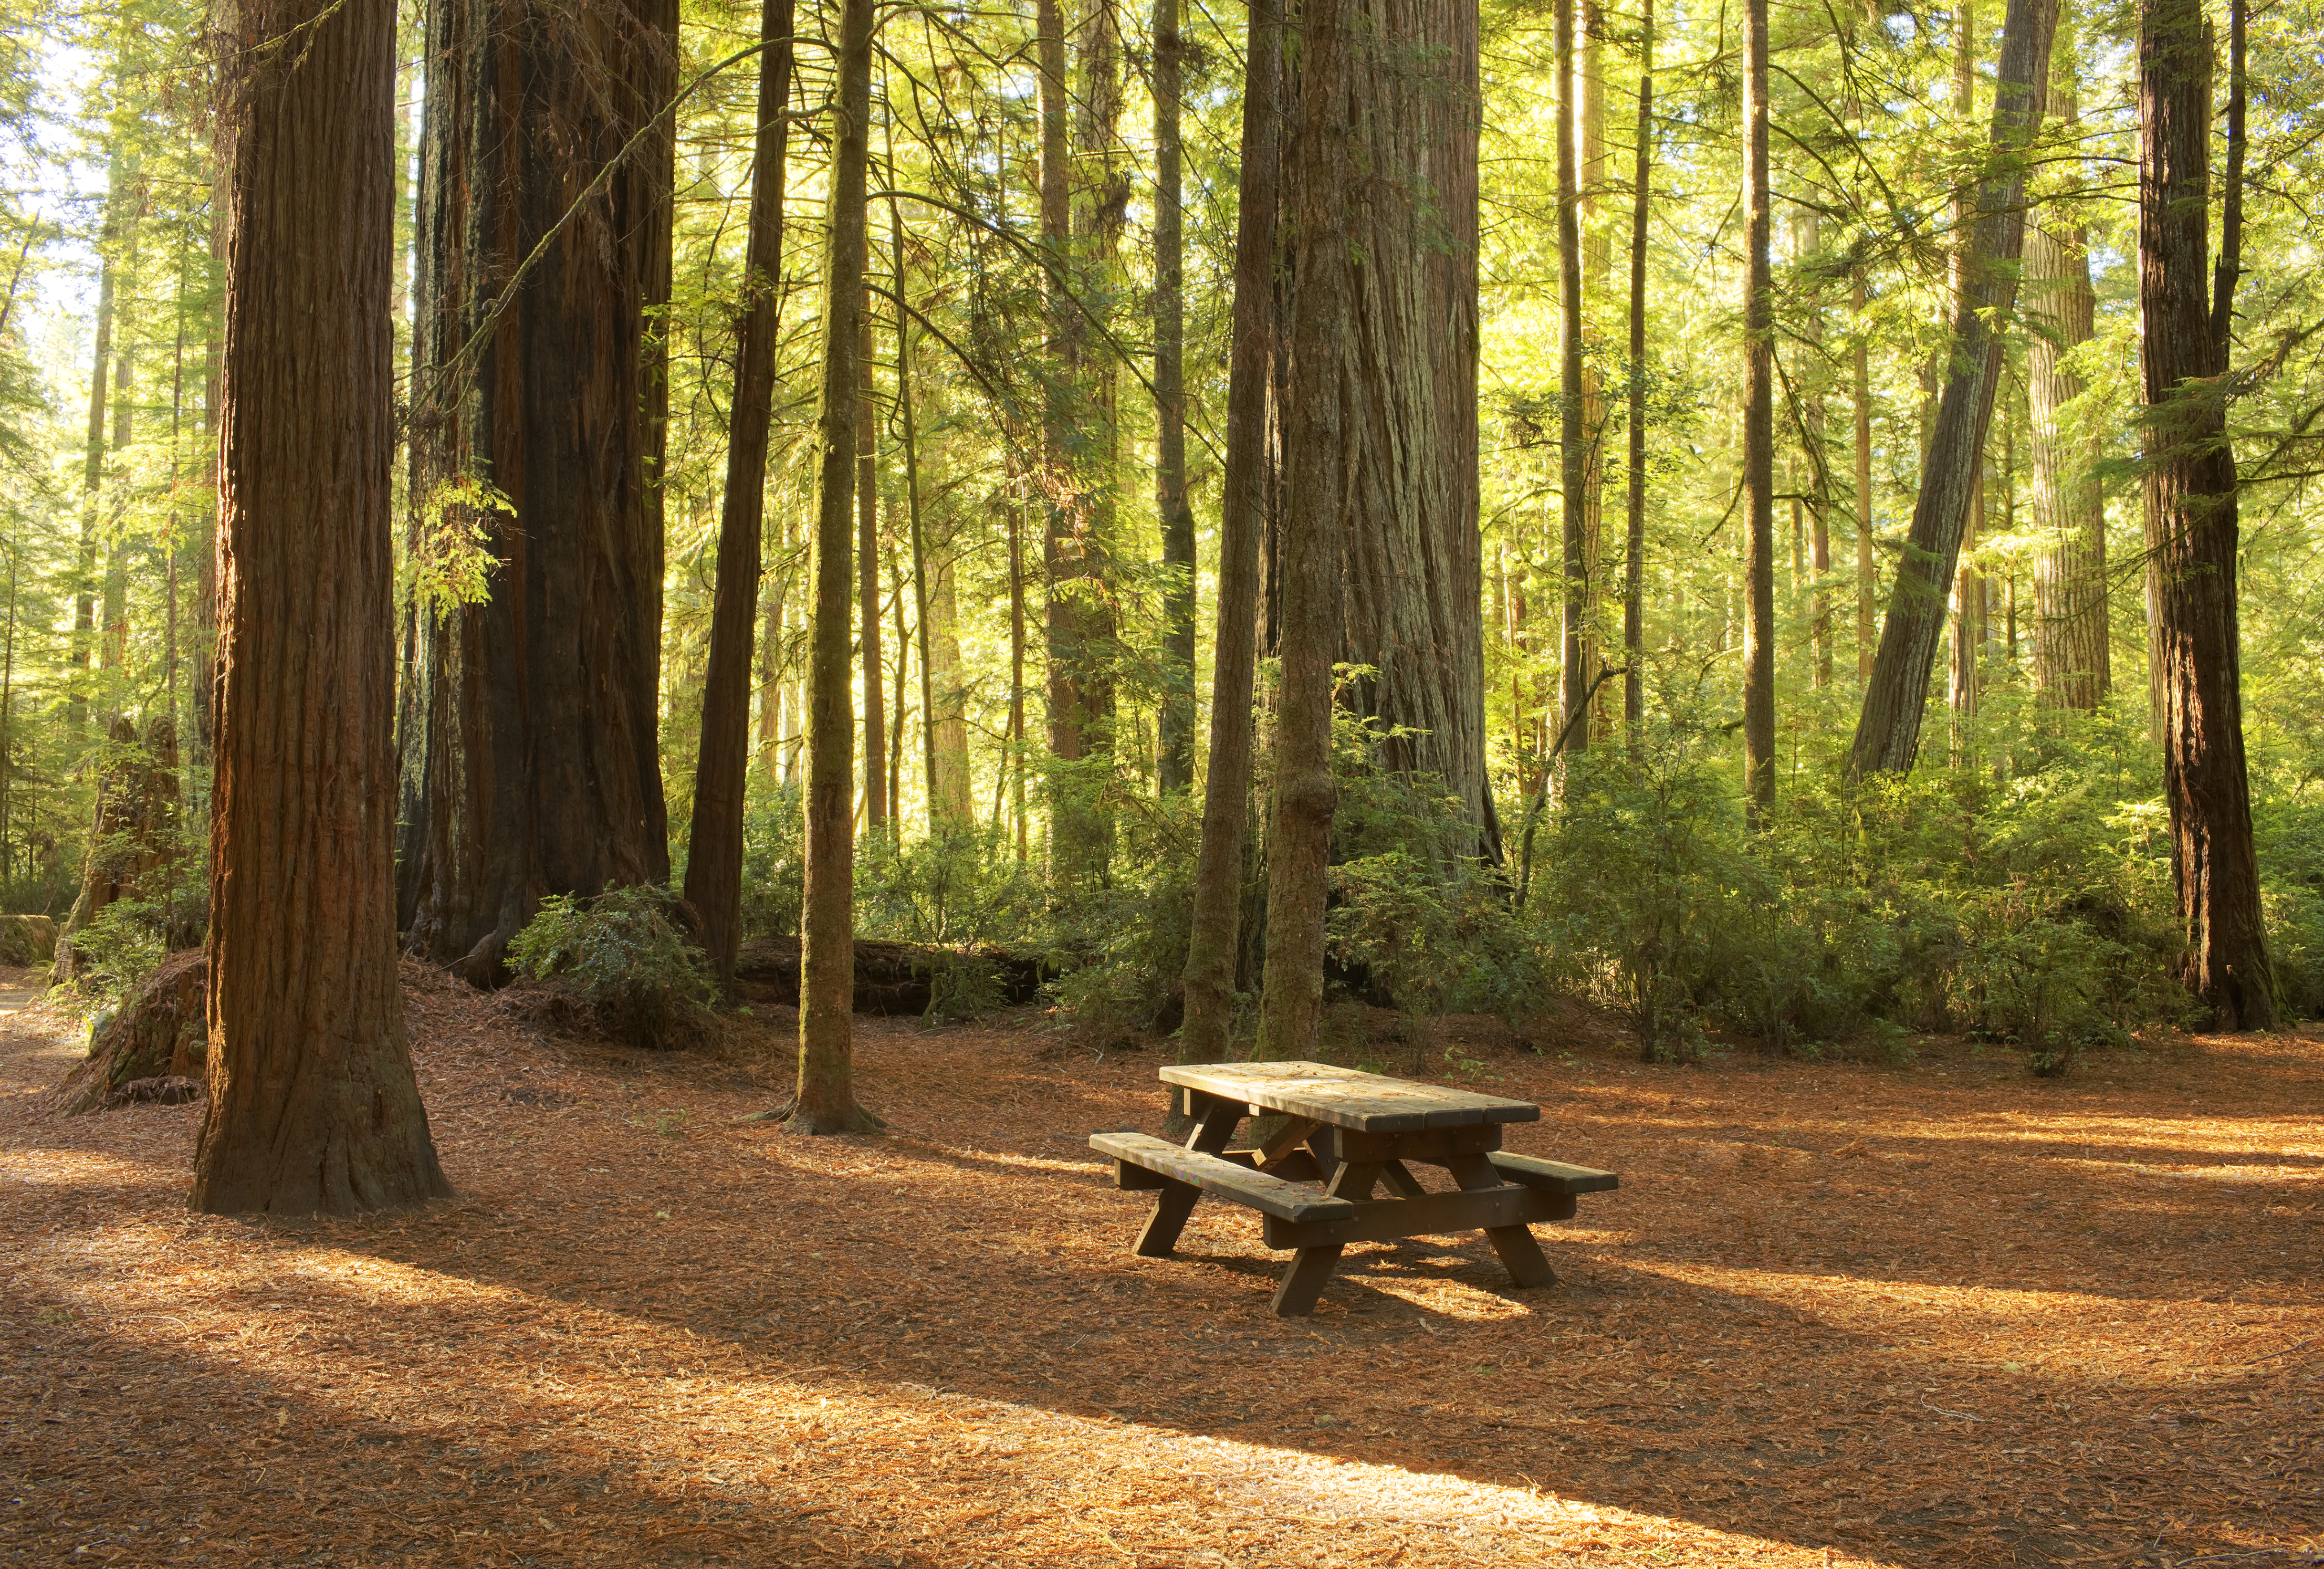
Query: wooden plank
{"type": "Point", "coordinates": [1521, 1256]}
{"type": "Point", "coordinates": [1385, 1220]}
{"type": "Point", "coordinates": [1270, 1195]}
{"type": "Point", "coordinates": [1400, 1180]}
{"type": "Point", "coordinates": [1435, 1145]}
{"type": "Point", "coordinates": [1348, 1098]}
{"type": "Point", "coordinates": [1552, 1176]}
{"type": "Point", "coordinates": [1171, 1207]}
{"type": "Point", "coordinates": [1303, 1281]}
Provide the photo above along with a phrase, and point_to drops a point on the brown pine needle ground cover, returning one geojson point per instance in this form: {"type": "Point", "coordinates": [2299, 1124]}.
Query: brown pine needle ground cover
{"type": "Point", "coordinates": [1943, 1314]}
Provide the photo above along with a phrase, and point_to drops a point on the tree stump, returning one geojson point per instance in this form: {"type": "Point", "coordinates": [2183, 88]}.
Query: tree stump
{"type": "Point", "coordinates": [134, 845]}
{"type": "Point", "coordinates": [154, 1049]}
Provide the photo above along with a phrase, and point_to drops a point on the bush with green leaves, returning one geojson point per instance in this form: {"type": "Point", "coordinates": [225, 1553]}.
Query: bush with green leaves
{"type": "Point", "coordinates": [625, 957]}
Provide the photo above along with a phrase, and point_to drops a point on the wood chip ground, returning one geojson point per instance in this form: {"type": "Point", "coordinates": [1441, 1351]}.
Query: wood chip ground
{"type": "Point", "coordinates": [1837, 1315]}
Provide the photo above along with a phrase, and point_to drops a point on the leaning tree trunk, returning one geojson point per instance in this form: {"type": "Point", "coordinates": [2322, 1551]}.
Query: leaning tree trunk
{"type": "Point", "coordinates": [543, 771]}
{"type": "Point", "coordinates": [1413, 578]}
{"type": "Point", "coordinates": [825, 1100]}
{"type": "Point", "coordinates": [1888, 730]}
{"type": "Point", "coordinates": [1758, 427]}
{"type": "Point", "coordinates": [1214, 936]}
{"type": "Point", "coordinates": [312, 1103]}
{"type": "Point", "coordinates": [2191, 524]}
{"type": "Point", "coordinates": [2071, 645]}
{"type": "Point", "coordinates": [714, 858]}
{"type": "Point", "coordinates": [1326, 376]}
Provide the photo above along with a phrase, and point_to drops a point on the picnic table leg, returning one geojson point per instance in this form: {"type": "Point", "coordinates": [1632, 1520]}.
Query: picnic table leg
{"type": "Point", "coordinates": [1521, 1255]}
{"type": "Point", "coordinates": [1302, 1281]}
{"type": "Point", "coordinates": [1172, 1206]}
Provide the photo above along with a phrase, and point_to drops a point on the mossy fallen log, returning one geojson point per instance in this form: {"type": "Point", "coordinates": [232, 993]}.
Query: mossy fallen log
{"type": "Point", "coordinates": [899, 978]}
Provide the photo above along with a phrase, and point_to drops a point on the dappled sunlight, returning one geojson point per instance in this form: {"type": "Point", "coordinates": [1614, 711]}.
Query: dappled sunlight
{"type": "Point", "coordinates": [1834, 1315]}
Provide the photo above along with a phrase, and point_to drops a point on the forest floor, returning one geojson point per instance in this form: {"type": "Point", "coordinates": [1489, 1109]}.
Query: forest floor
{"type": "Point", "coordinates": [1936, 1314]}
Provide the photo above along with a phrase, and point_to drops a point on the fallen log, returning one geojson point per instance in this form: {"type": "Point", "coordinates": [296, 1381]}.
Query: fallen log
{"type": "Point", "coordinates": [899, 978]}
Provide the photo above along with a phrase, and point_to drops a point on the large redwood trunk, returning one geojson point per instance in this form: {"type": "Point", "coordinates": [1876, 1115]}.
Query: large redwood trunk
{"type": "Point", "coordinates": [1414, 574]}
{"type": "Point", "coordinates": [539, 735]}
{"type": "Point", "coordinates": [312, 1103]}
{"type": "Point", "coordinates": [2191, 526]}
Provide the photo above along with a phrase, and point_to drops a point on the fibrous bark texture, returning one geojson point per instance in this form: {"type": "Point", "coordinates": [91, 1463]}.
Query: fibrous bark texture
{"type": "Point", "coordinates": [1214, 941]}
{"type": "Point", "coordinates": [2192, 529]}
{"type": "Point", "coordinates": [1758, 426]}
{"type": "Point", "coordinates": [542, 773]}
{"type": "Point", "coordinates": [825, 1100]}
{"type": "Point", "coordinates": [1324, 369]}
{"type": "Point", "coordinates": [1888, 730]}
{"type": "Point", "coordinates": [312, 1103]}
{"type": "Point", "coordinates": [1177, 760]}
{"type": "Point", "coordinates": [713, 859]}
{"type": "Point", "coordinates": [1412, 583]}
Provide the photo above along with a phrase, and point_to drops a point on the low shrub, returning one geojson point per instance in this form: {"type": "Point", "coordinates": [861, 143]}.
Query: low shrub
{"type": "Point", "coordinates": [625, 958]}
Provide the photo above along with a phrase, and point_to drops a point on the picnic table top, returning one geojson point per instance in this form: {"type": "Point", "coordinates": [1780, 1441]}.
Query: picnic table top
{"type": "Point", "coordinates": [1345, 1097]}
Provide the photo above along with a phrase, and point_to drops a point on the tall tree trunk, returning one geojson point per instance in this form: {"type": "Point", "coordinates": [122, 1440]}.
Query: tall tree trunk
{"type": "Point", "coordinates": [1019, 815]}
{"type": "Point", "coordinates": [92, 480]}
{"type": "Point", "coordinates": [2072, 655]}
{"type": "Point", "coordinates": [1888, 730]}
{"type": "Point", "coordinates": [1572, 397]}
{"type": "Point", "coordinates": [1080, 542]}
{"type": "Point", "coordinates": [1867, 585]}
{"type": "Point", "coordinates": [878, 799]}
{"type": "Point", "coordinates": [713, 860]}
{"type": "Point", "coordinates": [312, 1103]}
{"type": "Point", "coordinates": [1807, 231]}
{"type": "Point", "coordinates": [1633, 559]}
{"type": "Point", "coordinates": [1597, 275]}
{"type": "Point", "coordinates": [941, 813]}
{"type": "Point", "coordinates": [1213, 939]}
{"type": "Point", "coordinates": [543, 771]}
{"type": "Point", "coordinates": [826, 1101]}
{"type": "Point", "coordinates": [1758, 426]}
{"type": "Point", "coordinates": [1171, 503]}
{"type": "Point", "coordinates": [1413, 591]}
{"type": "Point", "coordinates": [1323, 356]}
{"type": "Point", "coordinates": [2191, 521]}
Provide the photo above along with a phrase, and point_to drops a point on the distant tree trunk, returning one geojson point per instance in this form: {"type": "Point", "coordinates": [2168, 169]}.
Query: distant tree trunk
{"type": "Point", "coordinates": [1324, 361]}
{"type": "Point", "coordinates": [1807, 231]}
{"type": "Point", "coordinates": [1596, 273]}
{"type": "Point", "coordinates": [312, 1103]}
{"type": "Point", "coordinates": [1634, 567]}
{"type": "Point", "coordinates": [826, 1101]}
{"type": "Point", "coordinates": [942, 805]}
{"type": "Point", "coordinates": [544, 770]}
{"type": "Point", "coordinates": [1214, 939]}
{"type": "Point", "coordinates": [1888, 730]}
{"type": "Point", "coordinates": [1758, 426]}
{"type": "Point", "coordinates": [1867, 587]}
{"type": "Point", "coordinates": [92, 479]}
{"type": "Point", "coordinates": [1573, 399]}
{"type": "Point", "coordinates": [2072, 661]}
{"type": "Point", "coordinates": [1171, 505]}
{"type": "Point", "coordinates": [2191, 521]}
{"type": "Point", "coordinates": [1020, 817]}
{"type": "Point", "coordinates": [877, 801]}
{"type": "Point", "coordinates": [714, 860]}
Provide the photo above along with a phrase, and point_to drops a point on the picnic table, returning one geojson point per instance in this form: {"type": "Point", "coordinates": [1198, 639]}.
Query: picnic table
{"type": "Point", "coordinates": [1345, 1132]}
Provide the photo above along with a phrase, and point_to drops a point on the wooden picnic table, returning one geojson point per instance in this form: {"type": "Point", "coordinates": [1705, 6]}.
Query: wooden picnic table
{"type": "Point", "coordinates": [1344, 1134]}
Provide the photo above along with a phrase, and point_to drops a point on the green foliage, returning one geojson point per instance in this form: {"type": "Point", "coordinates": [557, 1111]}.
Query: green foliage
{"type": "Point", "coordinates": [118, 949]}
{"type": "Point", "coordinates": [1122, 948]}
{"type": "Point", "coordinates": [623, 958]}
{"type": "Point", "coordinates": [774, 861]}
{"type": "Point", "coordinates": [2290, 834]}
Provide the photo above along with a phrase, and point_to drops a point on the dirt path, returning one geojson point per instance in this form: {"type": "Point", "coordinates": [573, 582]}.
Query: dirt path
{"type": "Point", "coordinates": [1837, 1315]}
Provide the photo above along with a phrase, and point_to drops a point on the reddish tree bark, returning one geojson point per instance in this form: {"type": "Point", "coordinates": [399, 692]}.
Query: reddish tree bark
{"type": "Point", "coordinates": [312, 1103]}
{"type": "Point", "coordinates": [713, 859]}
{"type": "Point", "coordinates": [2191, 525]}
{"type": "Point", "coordinates": [542, 770]}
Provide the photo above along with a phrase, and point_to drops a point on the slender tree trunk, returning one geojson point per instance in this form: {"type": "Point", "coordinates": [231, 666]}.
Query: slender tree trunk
{"type": "Point", "coordinates": [1807, 231]}
{"type": "Point", "coordinates": [876, 798]}
{"type": "Point", "coordinates": [1888, 730]}
{"type": "Point", "coordinates": [1215, 938]}
{"type": "Point", "coordinates": [940, 804]}
{"type": "Point", "coordinates": [312, 1103]}
{"type": "Point", "coordinates": [1171, 503]}
{"type": "Point", "coordinates": [1597, 276]}
{"type": "Point", "coordinates": [1634, 559]}
{"type": "Point", "coordinates": [1308, 572]}
{"type": "Point", "coordinates": [2073, 656]}
{"type": "Point", "coordinates": [2191, 521]}
{"type": "Point", "coordinates": [1573, 434]}
{"type": "Point", "coordinates": [1020, 816]}
{"type": "Point", "coordinates": [1758, 427]}
{"type": "Point", "coordinates": [543, 771]}
{"type": "Point", "coordinates": [1867, 585]}
{"type": "Point", "coordinates": [825, 1103]}
{"type": "Point", "coordinates": [93, 467]}
{"type": "Point", "coordinates": [714, 860]}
